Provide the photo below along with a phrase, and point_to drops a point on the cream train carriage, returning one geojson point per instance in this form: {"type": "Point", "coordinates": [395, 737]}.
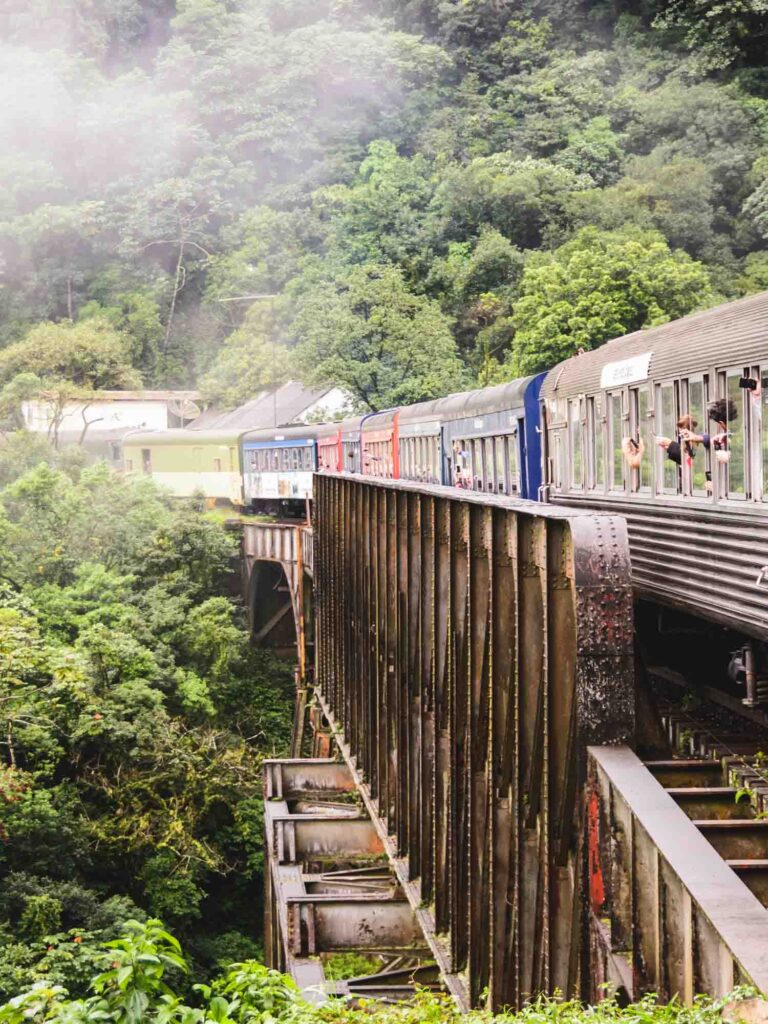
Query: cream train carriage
{"type": "Point", "coordinates": [188, 462]}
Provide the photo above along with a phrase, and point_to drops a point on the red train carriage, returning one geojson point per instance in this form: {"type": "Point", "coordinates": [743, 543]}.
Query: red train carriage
{"type": "Point", "coordinates": [381, 444]}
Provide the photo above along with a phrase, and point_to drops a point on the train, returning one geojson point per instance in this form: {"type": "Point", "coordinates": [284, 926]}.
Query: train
{"type": "Point", "coordinates": [597, 430]}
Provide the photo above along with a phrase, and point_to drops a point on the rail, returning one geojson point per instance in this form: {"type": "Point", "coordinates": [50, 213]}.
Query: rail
{"type": "Point", "coordinates": [668, 914]}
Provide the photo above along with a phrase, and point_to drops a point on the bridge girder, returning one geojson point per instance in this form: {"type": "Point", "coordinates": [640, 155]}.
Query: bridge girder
{"type": "Point", "coordinates": [469, 648]}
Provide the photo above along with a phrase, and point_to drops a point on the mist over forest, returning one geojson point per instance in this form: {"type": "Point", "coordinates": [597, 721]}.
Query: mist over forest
{"type": "Point", "coordinates": [421, 195]}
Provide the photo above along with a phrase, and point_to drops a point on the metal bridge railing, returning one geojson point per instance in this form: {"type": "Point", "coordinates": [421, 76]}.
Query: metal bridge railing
{"type": "Point", "coordinates": [668, 915]}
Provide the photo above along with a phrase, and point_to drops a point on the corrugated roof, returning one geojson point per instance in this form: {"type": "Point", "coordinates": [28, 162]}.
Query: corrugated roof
{"type": "Point", "coordinates": [727, 335]}
{"type": "Point", "coordinates": [284, 405]}
{"type": "Point", "coordinates": [146, 396]}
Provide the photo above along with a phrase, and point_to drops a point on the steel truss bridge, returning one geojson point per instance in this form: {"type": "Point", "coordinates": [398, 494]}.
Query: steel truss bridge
{"type": "Point", "coordinates": [467, 808]}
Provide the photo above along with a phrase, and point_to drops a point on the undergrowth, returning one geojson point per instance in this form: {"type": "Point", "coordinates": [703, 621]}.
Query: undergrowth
{"type": "Point", "coordinates": [140, 977]}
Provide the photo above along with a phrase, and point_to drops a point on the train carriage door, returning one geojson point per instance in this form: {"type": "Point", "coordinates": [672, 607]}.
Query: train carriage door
{"type": "Point", "coordinates": [146, 461]}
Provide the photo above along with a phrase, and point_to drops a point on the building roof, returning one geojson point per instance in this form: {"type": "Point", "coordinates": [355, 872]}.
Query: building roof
{"type": "Point", "coordinates": [144, 396]}
{"type": "Point", "coordinates": [268, 409]}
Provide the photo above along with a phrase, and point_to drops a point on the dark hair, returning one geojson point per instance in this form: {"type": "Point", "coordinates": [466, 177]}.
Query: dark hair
{"type": "Point", "coordinates": [687, 422]}
{"type": "Point", "coordinates": [723, 410]}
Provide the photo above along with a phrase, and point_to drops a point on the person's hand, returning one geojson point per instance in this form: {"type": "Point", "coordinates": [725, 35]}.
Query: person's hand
{"type": "Point", "coordinates": [720, 438]}
{"type": "Point", "coordinates": [664, 442]}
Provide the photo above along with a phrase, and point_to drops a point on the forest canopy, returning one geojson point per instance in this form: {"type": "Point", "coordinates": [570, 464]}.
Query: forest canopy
{"type": "Point", "coordinates": [239, 189]}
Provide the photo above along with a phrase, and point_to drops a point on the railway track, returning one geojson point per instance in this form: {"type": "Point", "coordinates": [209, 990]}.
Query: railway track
{"type": "Point", "coordinates": [718, 773]}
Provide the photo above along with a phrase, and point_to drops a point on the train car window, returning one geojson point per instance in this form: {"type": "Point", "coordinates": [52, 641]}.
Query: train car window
{"type": "Point", "coordinates": [700, 458]}
{"type": "Point", "coordinates": [490, 464]}
{"type": "Point", "coordinates": [616, 434]}
{"type": "Point", "coordinates": [666, 424]}
{"type": "Point", "coordinates": [644, 475]}
{"type": "Point", "coordinates": [736, 472]}
{"type": "Point", "coordinates": [512, 462]}
{"type": "Point", "coordinates": [501, 465]}
{"type": "Point", "coordinates": [764, 430]}
{"type": "Point", "coordinates": [576, 443]}
{"type": "Point", "coordinates": [477, 465]}
{"type": "Point", "coordinates": [217, 465]}
{"type": "Point", "coordinates": [598, 438]}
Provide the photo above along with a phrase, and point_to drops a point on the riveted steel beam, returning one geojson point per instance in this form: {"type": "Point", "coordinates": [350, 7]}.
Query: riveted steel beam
{"type": "Point", "coordinates": [668, 914]}
{"type": "Point", "coordinates": [469, 647]}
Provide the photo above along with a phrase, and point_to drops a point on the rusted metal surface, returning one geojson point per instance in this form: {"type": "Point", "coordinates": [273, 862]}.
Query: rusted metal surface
{"type": "Point", "coordinates": [668, 914]}
{"type": "Point", "coordinates": [469, 648]}
{"type": "Point", "coordinates": [330, 888]}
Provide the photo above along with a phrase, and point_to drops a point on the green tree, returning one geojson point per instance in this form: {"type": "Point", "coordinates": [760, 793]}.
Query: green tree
{"type": "Point", "coordinates": [367, 331]}
{"type": "Point", "coordinates": [598, 286]}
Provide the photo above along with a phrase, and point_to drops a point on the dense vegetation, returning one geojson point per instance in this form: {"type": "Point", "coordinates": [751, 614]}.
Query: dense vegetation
{"type": "Point", "coordinates": [403, 196]}
{"type": "Point", "coordinates": [144, 978]}
{"type": "Point", "coordinates": [420, 192]}
{"type": "Point", "coordinates": [134, 718]}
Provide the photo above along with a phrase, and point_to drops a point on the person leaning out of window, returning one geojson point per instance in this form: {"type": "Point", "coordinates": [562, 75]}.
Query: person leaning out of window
{"type": "Point", "coordinates": [719, 412]}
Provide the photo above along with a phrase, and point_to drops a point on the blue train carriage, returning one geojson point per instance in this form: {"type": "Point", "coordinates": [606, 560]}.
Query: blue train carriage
{"type": "Point", "coordinates": [188, 462]}
{"type": "Point", "coordinates": [278, 464]}
{"type": "Point", "coordinates": [698, 526]}
{"type": "Point", "coordinates": [482, 440]}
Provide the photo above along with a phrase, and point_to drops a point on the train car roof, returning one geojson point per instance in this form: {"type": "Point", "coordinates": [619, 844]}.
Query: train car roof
{"type": "Point", "coordinates": [463, 404]}
{"type": "Point", "coordinates": [732, 334]}
{"type": "Point", "coordinates": [293, 433]}
{"type": "Point", "coordinates": [180, 436]}
{"type": "Point", "coordinates": [345, 426]}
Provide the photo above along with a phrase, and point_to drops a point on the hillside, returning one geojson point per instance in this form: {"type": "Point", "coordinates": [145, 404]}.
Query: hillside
{"type": "Point", "coordinates": [419, 193]}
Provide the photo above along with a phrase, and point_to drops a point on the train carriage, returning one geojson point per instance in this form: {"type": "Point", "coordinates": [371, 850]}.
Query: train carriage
{"type": "Point", "coordinates": [491, 440]}
{"type": "Point", "coordinates": [187, 462]}
{"type": "Point", "coordinates": [277, 468]}
{"type": "Point", "coordinates": [379, 444]}
{"type": "Point", "coordinates": [698, 530]}
{"type": "Point", "coordinates": [420, 443]}
{"type": "Point", "coordinates": [338, 446]}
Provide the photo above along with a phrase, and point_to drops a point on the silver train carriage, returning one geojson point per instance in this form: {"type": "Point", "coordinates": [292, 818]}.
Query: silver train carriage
{"type": "Point", "coordinates": [698, 526]}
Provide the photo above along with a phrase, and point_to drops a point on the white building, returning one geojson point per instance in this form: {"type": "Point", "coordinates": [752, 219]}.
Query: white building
{"type": "Point", "coordinates": [99, 424]}
{"type": "Point", "coordinates": [111, 411]}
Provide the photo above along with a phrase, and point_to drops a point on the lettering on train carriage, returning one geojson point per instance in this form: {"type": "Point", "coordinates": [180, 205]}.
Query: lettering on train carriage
{"type": "Point", "coordinates": [626, 371]}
